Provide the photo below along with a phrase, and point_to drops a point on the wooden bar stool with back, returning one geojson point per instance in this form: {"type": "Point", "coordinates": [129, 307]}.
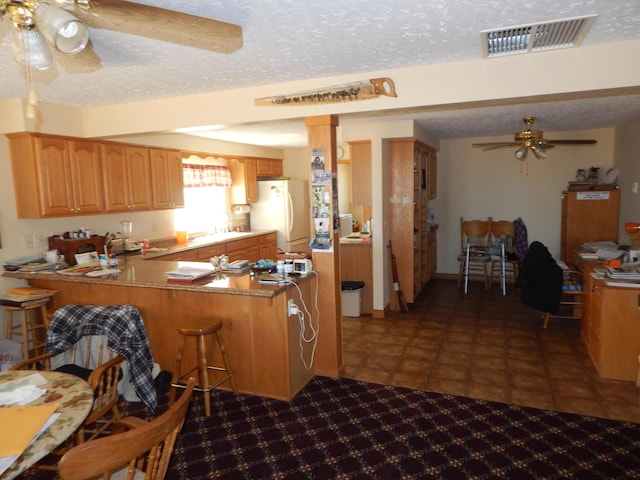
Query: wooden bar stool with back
{"type": "Point", "coordinates": [200, 332]}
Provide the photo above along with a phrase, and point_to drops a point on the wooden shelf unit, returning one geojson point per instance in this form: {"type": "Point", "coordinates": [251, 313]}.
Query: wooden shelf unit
{"type": "Point", "coordinates": [588, 216]}
{"type": "Point", "coordinates": [411, 165]}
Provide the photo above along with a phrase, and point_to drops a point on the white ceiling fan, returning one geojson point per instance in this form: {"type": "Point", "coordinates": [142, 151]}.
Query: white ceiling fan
{"type": "Point", "coordinates": [532, 140]}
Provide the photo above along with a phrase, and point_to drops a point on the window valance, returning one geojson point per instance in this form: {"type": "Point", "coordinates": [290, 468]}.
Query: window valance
{"type": "Point", "coordinates": [206, 175]}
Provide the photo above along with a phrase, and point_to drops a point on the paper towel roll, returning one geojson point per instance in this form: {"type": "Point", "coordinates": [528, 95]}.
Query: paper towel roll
{"type": "Point", "coordinates": [238, 209]}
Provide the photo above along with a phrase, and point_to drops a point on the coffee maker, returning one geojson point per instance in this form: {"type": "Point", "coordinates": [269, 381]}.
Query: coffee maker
{"type": "Point", "coordinates": [130, 244]}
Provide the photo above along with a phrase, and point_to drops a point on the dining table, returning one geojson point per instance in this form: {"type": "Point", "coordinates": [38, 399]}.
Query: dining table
{"type": "Point", "coordinates": [74, 398]}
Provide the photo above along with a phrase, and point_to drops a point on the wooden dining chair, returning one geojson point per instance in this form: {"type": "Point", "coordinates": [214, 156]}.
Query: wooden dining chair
{"type": "Point", "coordinates": [571, 297]}
{"type": "Point", "coordinates": [474, 258]}
{"type": "Point", "coordinates": [143, 450]}
{"type": "Point", "coordinates": [103, 379]}
{"type": "Point", "coordinates": [502, 233]}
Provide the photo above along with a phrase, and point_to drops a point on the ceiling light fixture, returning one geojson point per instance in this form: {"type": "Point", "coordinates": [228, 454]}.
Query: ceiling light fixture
{"type": "Point", "coordinates": [521, 153]}
{"type": "Point", "coordinates": [34, 21]}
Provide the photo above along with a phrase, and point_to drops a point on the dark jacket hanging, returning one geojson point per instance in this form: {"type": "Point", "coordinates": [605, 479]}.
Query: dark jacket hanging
{"type": "Point", "coordinates": [540, 279]}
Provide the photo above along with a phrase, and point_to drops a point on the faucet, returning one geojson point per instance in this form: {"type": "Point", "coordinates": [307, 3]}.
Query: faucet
{"type": "Point", "coordinates": [226, 225]}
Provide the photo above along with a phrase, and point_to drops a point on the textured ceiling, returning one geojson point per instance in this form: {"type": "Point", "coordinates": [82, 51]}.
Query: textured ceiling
{"type": "Point", "coordinates": [286, 40]}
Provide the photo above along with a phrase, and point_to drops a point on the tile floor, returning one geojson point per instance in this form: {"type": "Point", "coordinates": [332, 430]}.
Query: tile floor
{"type": "Point", "coordinates": [485, 346]}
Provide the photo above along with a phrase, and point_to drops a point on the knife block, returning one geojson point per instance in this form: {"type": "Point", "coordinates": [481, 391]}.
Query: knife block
{"type": "Point", "coordinates": [70, 246]}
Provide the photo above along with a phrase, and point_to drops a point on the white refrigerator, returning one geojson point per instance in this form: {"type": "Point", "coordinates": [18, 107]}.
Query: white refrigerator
{"type": "Point", "coordinates": [283, 205]}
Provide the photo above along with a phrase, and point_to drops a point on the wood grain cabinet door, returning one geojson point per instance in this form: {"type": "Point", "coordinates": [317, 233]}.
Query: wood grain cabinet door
{"type": "Point", "coordinates": [86, 174]}
{"type": "Point", "coordinates": [116, 182]}
{"type": "Point", "coordinates": [54, 176]}
{"type": "Point", "coordinates": [166, 178]}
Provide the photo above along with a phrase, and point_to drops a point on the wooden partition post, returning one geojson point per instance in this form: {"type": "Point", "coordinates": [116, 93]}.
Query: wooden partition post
{"type": "Point", "coordinates": [324, 228]}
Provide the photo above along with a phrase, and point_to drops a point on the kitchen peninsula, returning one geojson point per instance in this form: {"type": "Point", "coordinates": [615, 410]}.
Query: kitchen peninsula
{"type": "Point", "coordinates": [261, 338]}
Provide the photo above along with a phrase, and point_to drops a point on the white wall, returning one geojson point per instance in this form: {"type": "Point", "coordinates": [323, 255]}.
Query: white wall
{"type": "Point", "coordinates": [627, 160]}
{"type": "Point", "coordinates": [478, 184]}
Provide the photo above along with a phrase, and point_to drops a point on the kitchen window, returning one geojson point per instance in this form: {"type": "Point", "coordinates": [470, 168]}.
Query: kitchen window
{"type": "Point", "coordinates": [206, 198]}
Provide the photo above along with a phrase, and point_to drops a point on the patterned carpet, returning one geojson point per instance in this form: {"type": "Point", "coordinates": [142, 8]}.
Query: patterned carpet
{"type": "Point", "coordinates": [345, 429]}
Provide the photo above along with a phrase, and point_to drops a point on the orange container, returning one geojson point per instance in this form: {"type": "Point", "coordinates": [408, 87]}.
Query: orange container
{"type": "Point", "coordinates": [182, 236]}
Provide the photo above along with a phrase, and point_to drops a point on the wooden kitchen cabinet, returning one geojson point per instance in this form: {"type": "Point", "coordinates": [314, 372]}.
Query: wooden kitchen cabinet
{"type": "Point", "coordinates": [268, 246]}
{"type": "Point", "coordinates": [127, 177]}
{"type": "Point", "coordinates": [244, 249]}
{"type": "Point", "coordinates": [432, 254]}
{"type": "Point", "coordinates": [588, 216]}
{"type": "Point", "coordinates": [205, 253]}
{"type": "Point", "coordinates": [412, 244]}
{"type": "Point", "coordinates": [432, 177]}
{"type": "Point", "coordinates": [190, 255]}
{"type": "Point", "coordinates": [356, 264]}
{"type": "Point", "coordinates": [609, 327]}
{"type": "Point", "coordinates": [55, 176]}
{"type": "Point", "coordinates": [360, 172]}
{"type": "Point", "coordinates": [167, 179]}
{"type": "Point", "coordinates": [268, 167]}
{"type": "Point", "coordinates": [244, 187]}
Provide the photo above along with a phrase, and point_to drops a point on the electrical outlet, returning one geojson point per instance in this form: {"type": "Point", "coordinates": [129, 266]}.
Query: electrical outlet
{"type": "Point", "coordinates": [39, 241]}
{"type": "Point", "coordinates": [27, 241]}
{"type": "Point", "coordinates": [291, 308]}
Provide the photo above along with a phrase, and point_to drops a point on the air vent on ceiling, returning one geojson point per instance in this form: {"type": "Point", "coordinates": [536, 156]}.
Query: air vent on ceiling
{"type": "Point", "coordinates": [535, 37]}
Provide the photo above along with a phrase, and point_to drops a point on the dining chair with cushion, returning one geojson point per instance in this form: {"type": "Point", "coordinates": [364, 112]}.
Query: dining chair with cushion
{"type": "Point", "coordinates": [142, 451]}
{"type": "Point", "coordinates": [474, 258]}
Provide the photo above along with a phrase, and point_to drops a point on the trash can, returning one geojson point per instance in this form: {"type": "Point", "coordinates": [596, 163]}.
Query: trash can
{"type": "Point", "coordinates": [352, 298]}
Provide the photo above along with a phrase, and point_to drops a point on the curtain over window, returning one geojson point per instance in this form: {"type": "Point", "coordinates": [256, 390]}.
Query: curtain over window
{"type": "Point", "coordinates": [206, 175]}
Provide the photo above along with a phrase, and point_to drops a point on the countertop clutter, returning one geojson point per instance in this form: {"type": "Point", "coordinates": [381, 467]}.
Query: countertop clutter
{"type": "Point", "coordinates": [357, 237]}
{"type": "Point", "coordinates": [262, 339]}
{"type": "Point", "coordinates": [149, 269]}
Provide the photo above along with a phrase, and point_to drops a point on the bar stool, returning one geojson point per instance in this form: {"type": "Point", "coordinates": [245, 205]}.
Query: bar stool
{"type": "Point", "coordinates": [32, 327]}
{"type": "Point", "coordinates": [199, 334]}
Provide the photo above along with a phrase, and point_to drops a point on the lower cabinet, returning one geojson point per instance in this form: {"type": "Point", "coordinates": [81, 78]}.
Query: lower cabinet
{"type": "Point", "coordinates": [183, 256]}
{"type": "Point", "coordinates": [268, 245]}
{"type": "Point", "coordinates": [205, 253]}
{"type": "Point", "coordinates": [251, 248]}
{"type": "Point", "coordinates": [356, 264]}
{"type": "Point", "coordinates": [245, 249]}
{"type": "Point", "coordinates": [610, 323]}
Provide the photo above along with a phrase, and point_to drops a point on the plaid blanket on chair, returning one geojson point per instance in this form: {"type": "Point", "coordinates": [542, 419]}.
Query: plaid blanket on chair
{"type": "Point", "coordinates": [126, 335]}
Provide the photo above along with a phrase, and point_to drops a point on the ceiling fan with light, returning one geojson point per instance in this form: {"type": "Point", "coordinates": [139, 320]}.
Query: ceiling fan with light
{"type": "Point", "coordinates": [36, 24]}
{"type": "Point", "coordinates": [532, 140]}
{"type": "Point", "coordinates": [64, 24]}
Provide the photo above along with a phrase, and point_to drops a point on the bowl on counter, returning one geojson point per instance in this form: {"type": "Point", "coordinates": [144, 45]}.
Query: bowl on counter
{"type": "Point", "coordinates": [632, 228]}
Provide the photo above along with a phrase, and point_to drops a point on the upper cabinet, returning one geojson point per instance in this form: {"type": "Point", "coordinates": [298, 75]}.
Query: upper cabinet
{"type": "Point", "coordinates": [268, 167]}
{"type": "Point", "coordinates": [244, 188]}
{"type": "Point", "coordinates": [360, 172]}
{"type": "Point", "coordinates": [167, 178]}
{"type": "Point", "coordinates": [127, 177]}
{"type": "Point", "coordinates": [55, 176]}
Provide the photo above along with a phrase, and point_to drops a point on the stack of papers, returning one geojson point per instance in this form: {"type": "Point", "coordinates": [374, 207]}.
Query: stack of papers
{"type": "Point", "coordinates": [624, 273]}
{"type": "Point", "coordinates": [189, 274]}
{"type": "Point", "coordinates": [21, 426]}
{"type": "Point", "coordinates": [83, 269]}
{"type": "Point", "coordinates": [23, 296]}
{"type": "Point", "coordinates": [237, 265]}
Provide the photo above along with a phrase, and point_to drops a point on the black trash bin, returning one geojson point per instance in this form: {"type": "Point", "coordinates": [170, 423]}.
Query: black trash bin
{"type": "Point", "coordinates": [352, 298]}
